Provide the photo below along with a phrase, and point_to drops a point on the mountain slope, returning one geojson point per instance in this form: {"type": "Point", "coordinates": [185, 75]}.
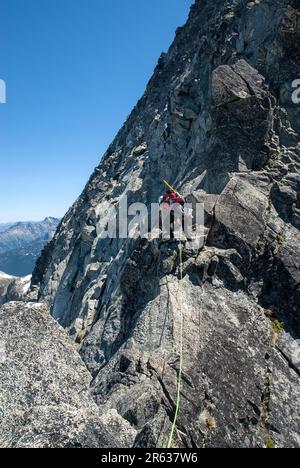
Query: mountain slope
{"type": "Point", "coordinates": [21, 245]}
{"type": "Point", "coordinates": [21, 261]}
{"type": "Point", "coordinates": [21, 234]}
{"type": "Point", "coordinates": [218, 121]}
{"type": "Point", "coordinates": [5, 226]}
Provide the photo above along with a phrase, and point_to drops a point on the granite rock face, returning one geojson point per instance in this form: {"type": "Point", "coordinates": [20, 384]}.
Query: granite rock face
{"type": "Point", "coordinates": [218, 121]}
{"type": "Point", "coordinates": [45, 400]}
{"type": "Point", "coordinates": [5, 282]}
{"type": "Point", "coordinates": [13, 288]}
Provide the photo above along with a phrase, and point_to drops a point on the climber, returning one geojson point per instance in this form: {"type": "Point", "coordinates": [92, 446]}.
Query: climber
{"type": "Point", "coordinates": [166, 201]}
{"type": "Point", "coordinates": [172, 197]}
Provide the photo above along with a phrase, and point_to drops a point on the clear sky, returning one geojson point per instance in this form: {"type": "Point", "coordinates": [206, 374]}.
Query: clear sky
{"type": "Point", "coordinates": [74, 69]}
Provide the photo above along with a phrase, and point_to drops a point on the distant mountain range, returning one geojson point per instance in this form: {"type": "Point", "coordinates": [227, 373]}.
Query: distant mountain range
{"type": "Point", "coordinates": [5, 226]}
{"type": "Point", "coordinates": [21, 244]}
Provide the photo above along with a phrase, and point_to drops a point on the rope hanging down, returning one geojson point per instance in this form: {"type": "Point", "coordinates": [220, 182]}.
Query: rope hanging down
{"type": "Point", "coordinates": [179, 379]}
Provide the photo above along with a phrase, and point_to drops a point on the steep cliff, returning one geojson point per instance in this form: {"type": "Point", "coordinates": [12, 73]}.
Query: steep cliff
{"type": "Point", "coordinates": [218, 121]}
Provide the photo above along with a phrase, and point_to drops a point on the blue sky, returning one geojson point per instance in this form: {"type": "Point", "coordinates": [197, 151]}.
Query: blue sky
{"type": "Point", "coordinates": [74, 69]}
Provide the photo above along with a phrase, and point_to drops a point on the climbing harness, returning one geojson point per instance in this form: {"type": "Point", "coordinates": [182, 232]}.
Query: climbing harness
{"type": "Point", "coordinates": [179, 378]}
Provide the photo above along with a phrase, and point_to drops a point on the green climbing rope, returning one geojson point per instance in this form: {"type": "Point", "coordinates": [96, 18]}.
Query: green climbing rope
{"type": "Point", "coordinates": [179, 379]}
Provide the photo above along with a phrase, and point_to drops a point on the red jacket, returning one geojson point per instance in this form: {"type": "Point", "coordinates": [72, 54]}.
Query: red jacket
{"type": "Point", "coordinates": [173, 198]}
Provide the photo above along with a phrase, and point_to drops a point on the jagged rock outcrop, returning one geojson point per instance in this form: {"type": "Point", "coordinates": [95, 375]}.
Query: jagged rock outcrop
{"type": "Point", "coordinates": [15, 289]}
{"type": "Point", "coordinates": [5, 281]}
{"type": "Point", "coordinates": [44, 389]}
{"type": "Point", "coordinates": [218, 121]}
